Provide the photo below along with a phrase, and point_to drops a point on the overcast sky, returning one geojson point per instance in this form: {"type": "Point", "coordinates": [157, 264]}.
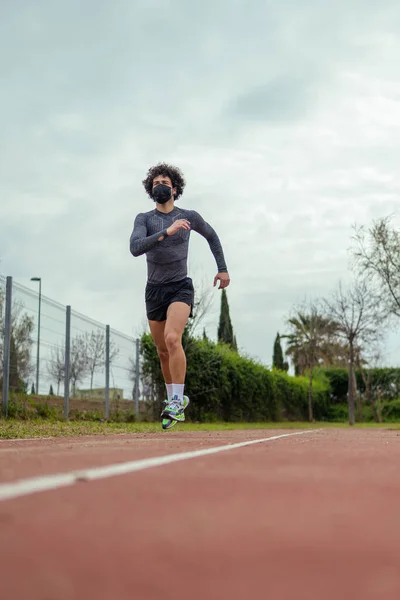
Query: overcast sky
{"type": "Point", "coordinates": [284, 117]}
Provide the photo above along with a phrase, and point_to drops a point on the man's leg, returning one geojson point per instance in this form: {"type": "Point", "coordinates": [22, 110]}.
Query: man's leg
{"type": "Point", "coordinates": [157, 329]}
{"type": "Point", "coordinates": [177, 317]}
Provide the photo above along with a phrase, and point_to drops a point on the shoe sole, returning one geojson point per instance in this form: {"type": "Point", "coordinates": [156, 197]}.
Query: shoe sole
{"type": "Point", "coordinates": [177, 419]}
{"type": "Point", "coordinates": [168, 423]}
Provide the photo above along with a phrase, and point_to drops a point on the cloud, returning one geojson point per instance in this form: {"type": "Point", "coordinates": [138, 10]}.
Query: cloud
{"type": "Point", "coordinates": [281, 100]}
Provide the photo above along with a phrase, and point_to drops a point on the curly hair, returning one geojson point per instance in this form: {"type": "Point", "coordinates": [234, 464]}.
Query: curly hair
{"type": "Point", "coordinates": [175, 175]}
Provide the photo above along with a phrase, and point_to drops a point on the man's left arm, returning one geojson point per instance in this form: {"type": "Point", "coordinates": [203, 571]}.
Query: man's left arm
{"type": "Point", "coordinates": [198, 224]}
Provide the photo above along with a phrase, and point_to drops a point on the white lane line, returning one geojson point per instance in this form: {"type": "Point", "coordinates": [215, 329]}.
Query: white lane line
{"type": "Point", "coordinates": [25, 487]}
{"type": "Point", "coordinates": [32, 439]}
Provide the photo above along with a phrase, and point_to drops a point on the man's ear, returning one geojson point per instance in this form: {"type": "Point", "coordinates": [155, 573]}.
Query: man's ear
{"type": "Point", "coordinates": [174, 191]}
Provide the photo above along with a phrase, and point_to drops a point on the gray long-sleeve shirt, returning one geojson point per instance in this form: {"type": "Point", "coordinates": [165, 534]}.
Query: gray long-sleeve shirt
{"type": "Point", "coordinates": [167, 259]}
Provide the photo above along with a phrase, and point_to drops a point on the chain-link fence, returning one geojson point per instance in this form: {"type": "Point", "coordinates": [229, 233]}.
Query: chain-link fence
{"type": "Point", "coordinates": [49, 351]}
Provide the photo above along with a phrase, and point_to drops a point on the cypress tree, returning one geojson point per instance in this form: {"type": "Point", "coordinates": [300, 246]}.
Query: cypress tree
{"type": "Point", "coordinates": [51, 392]}
{"type": "Point", "coordinates": [33, 389]}
{"type": "Point", "coordinates": [225, 329]}
{"type": "Point", "coordinates": [277, 359]}
{"type": "Point", "coordinates": [234, 344]}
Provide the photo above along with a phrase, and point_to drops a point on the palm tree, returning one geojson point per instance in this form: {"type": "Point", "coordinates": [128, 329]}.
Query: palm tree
{"type": "Point", "coordinates": [309, 343]}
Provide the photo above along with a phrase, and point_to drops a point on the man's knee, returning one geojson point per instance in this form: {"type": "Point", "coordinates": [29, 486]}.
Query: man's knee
{"type": "Point", "coordinates": [172, 340]}
{"type": "Point", "coordinates": [163, 352]}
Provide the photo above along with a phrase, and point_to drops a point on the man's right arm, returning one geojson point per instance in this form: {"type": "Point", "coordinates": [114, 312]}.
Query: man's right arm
{"type": "Point", "coordinates": [140, 242]}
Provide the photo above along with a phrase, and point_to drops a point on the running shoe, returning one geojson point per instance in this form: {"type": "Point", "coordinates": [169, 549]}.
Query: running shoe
{"type": "Point", "coordinates": [173, 412]}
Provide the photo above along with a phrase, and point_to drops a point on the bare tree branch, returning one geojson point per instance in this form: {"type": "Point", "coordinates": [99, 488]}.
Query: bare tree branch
{"type": "Point", "coordinates": [78, 367]}
{"type": "Point", "coordinates": [95, 347]}
{"type": "Point", "coordinates": [360, 318]}
{"type": "Point", "coordinates": [376, 255]}
{"type": "Point", "coordinates": [56, 366]}
{"type": "Point", "coordinates": [202, 304]}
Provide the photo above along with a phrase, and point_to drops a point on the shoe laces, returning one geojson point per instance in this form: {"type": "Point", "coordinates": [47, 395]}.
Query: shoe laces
{"type": "Point", "coordinates": [175, 404]}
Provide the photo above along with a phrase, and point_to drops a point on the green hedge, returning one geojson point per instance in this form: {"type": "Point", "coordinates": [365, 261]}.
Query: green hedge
{"type": "Point", "coordinates": [338, 381]}
{"type": "Point", "coordinates": [391, 410]}
{"type": "Point", "coordinates": [224, 386]}
{"type": "Point", "coordinates": [337, 413]}
{"type": "Point", "coordinates": [292, 395]}
{"type": "Point", "coordinates": [387, 380]}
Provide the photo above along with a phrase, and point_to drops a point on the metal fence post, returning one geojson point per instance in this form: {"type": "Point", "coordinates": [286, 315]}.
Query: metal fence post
{"type": "Point", "coordinates": [67, 361]}
{"type": "Point", "coordinates": [7, 340]}
{"type": "Point", "coordinates": [137, 375]}
{"type": "Point", "coordinates": [107, 371]}
{"type": "Point", "coordinates": [38, 340]}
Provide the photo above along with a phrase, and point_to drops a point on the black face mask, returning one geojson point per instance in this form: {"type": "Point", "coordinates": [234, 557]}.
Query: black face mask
{"type": "Point", "coordinates": [162, 193]}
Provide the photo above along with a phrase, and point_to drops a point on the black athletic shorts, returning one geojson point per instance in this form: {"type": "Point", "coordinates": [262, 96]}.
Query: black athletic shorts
{"type": "Point", "coordinates": [160, 297]}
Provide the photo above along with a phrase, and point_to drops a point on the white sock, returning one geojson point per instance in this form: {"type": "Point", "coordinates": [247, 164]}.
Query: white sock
{"type": "Point", "coordinates": [177, 390]}
{"type": "Point", "coordinates": [169, 391]}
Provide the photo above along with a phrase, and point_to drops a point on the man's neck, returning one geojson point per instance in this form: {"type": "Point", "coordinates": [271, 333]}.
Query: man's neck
{"type": "Point", "coordinates": [167, 207]}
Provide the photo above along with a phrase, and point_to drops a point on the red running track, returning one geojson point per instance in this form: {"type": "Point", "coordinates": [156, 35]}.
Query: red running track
{"type": "Point", "coordinates": [313, 517]}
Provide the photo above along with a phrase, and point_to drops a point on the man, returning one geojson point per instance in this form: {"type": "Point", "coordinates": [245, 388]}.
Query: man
{"type": "Point", "coordinates": [163, 235]}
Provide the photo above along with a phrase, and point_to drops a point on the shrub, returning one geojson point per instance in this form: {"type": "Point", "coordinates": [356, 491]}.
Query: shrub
{"type": "Point", "coordinates": [225, 386]}
{"type": "Point", "coordinates": [44, 411]}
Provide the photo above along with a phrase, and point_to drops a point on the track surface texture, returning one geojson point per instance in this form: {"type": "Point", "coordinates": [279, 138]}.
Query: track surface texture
{"type": "Point", "coordinates": [313, 516]}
